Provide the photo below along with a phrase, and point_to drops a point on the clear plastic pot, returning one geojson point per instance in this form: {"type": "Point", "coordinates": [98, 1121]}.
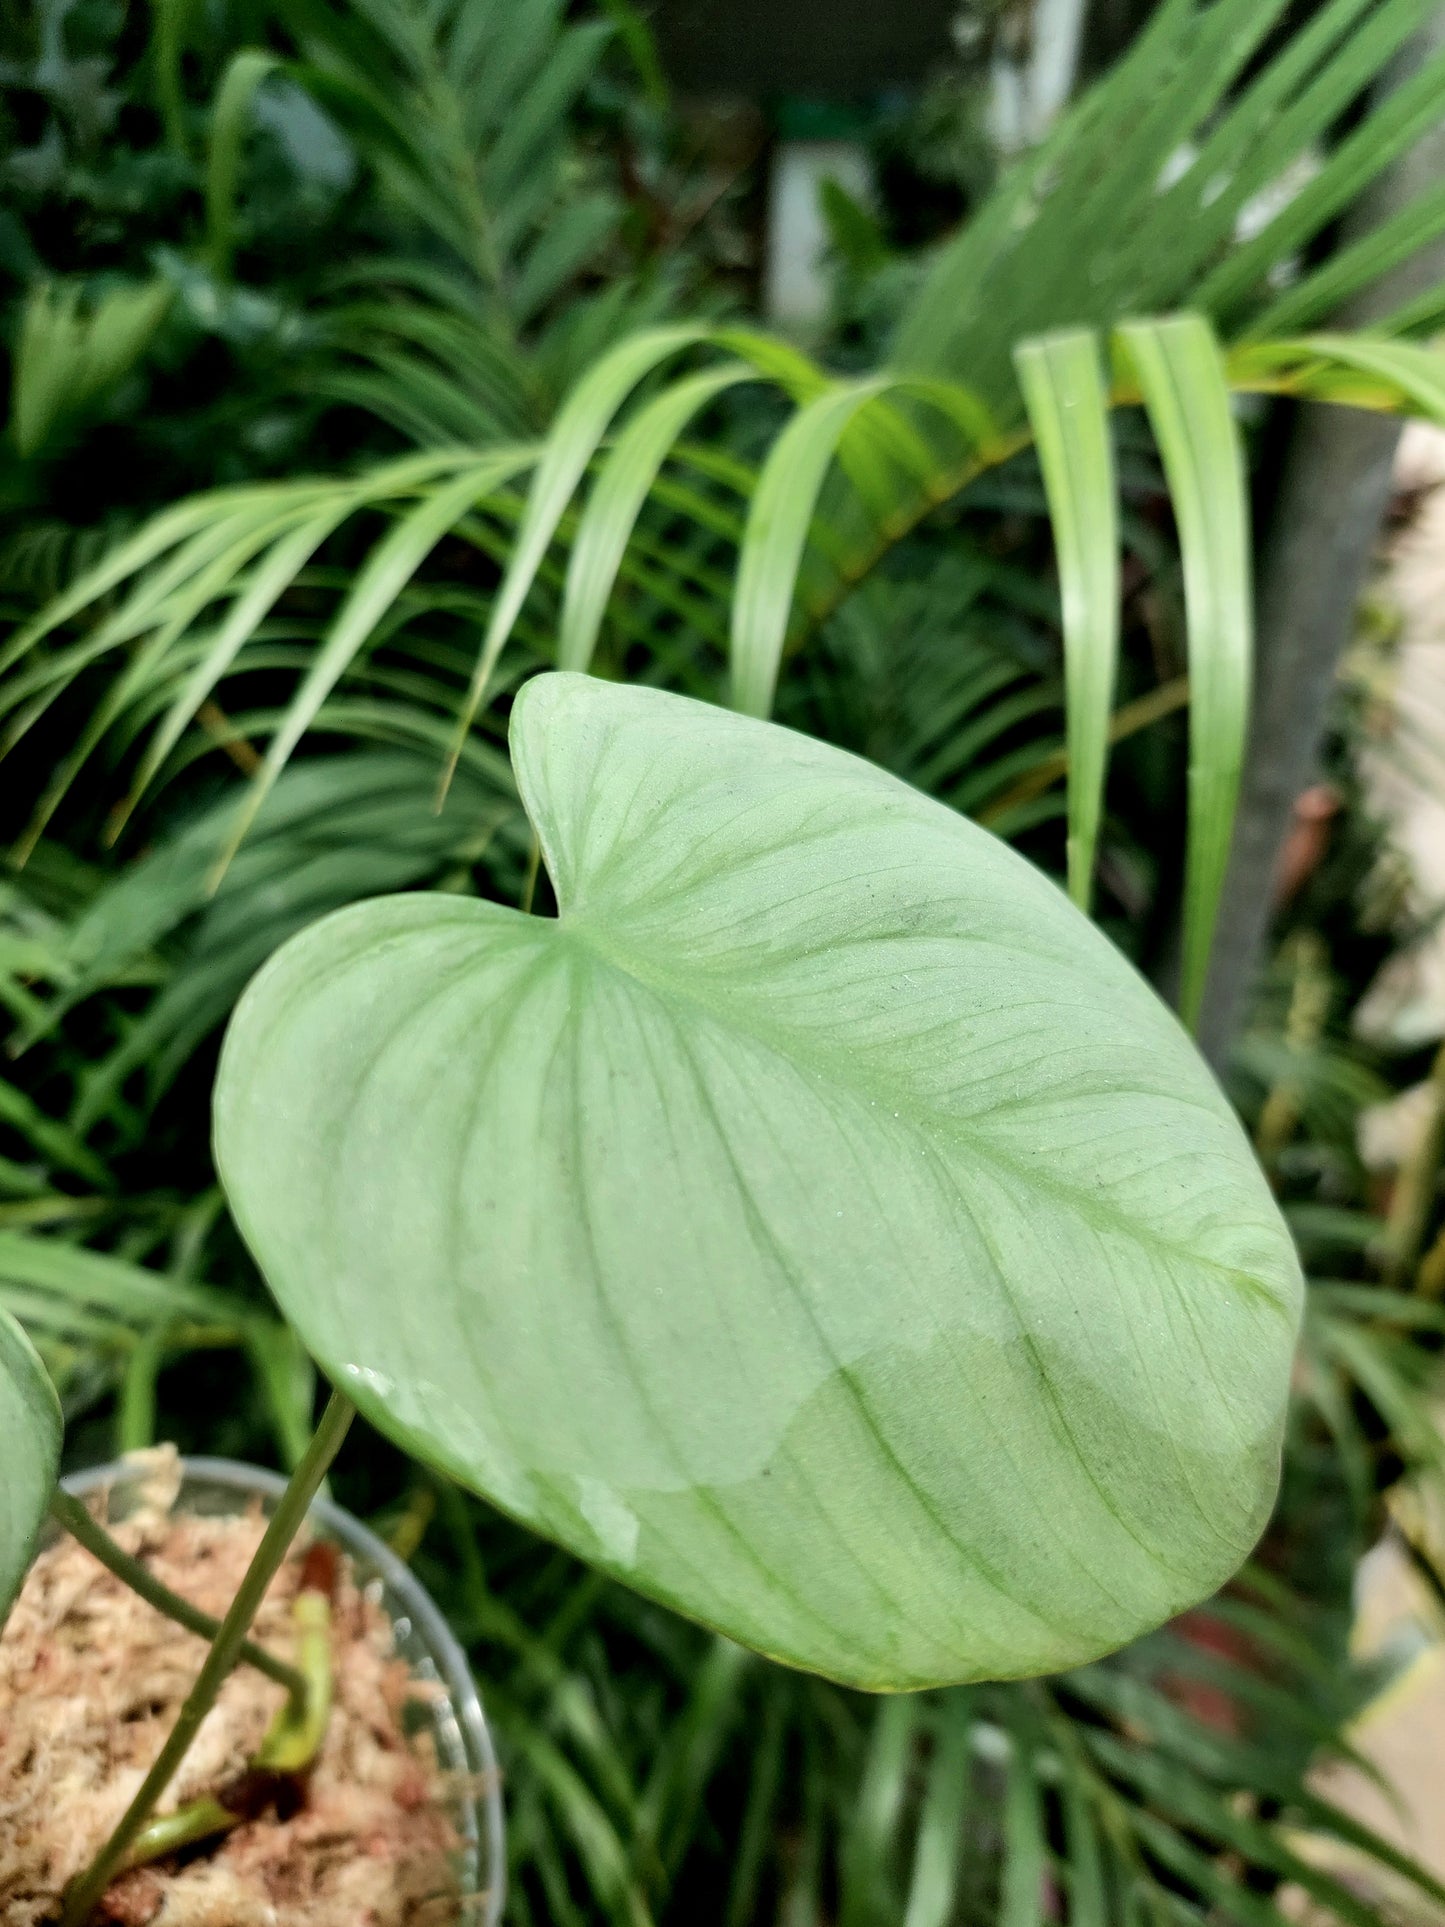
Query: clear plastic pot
{"type": "Point", "coordinates": [451, 1709]}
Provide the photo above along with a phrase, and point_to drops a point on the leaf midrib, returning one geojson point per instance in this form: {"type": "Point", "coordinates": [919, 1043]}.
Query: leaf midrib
{"type": "Point", "coordinates": [836, 1068]}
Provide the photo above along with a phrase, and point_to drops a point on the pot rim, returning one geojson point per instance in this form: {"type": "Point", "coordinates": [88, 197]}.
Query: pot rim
{"type": "Point", "coordinates": [399, 1579]}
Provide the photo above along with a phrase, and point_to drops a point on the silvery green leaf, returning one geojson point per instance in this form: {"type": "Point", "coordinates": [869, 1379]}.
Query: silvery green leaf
{"type": "Point", "coordinates": [818, 1224]}
{"type": "Point", "coordinates": [30, 1431]}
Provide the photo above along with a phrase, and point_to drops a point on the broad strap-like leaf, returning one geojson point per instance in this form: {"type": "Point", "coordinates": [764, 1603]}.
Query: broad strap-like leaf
{"type": "Point", "coordinates": [785, 500]}
{"type": "Point", "coordinates": [1182, 377]}
{"type": "Point", "coordinates": [30, 1429]}
{"type": "Point", "coordinates": [1364, 370]}
{"type": "Point", "coordinates": [70, 1273]}
{"type": "Point", "coordinates": [779, 515]}
{"type": "Point", "coordinates": [817, 1225]}
{"type": "Point", "coordinates": [1068, 409]}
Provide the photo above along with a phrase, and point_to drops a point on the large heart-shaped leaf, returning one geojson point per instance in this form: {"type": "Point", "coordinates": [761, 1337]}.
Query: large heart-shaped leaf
{"type": "Point", "coordinates": [818, 1225]}
{"type": "Point", "coordinates": [30, 1430]}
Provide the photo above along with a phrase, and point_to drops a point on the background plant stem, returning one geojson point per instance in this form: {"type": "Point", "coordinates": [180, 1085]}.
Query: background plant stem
{"type": "Point", "coordinates": [284, 1524]}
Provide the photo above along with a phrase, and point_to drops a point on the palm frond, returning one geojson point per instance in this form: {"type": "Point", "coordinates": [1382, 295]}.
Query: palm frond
{"type": "Point", "coordinates": [894, 477]}
{"type": "Point", "coordinates": [464, 113]}
{"type": "Point", "coordinates": [1161, 164]}
{"type": "Point", "coordinates": [1173, 1784]}
{"type": "Point", "coordinates": [332, 830]}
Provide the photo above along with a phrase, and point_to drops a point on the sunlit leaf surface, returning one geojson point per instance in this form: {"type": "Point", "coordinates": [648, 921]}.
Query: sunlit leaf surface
{"type": "Point", "coordinates": [817, 1225]}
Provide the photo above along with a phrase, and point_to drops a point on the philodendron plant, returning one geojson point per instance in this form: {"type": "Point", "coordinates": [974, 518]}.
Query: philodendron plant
{"type": "Point", "coordinates": [817, 1224]}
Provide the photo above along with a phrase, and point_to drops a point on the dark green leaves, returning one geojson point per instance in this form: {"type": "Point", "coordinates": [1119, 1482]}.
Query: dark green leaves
{"type": "Point", "coordinates": [818, 1225]}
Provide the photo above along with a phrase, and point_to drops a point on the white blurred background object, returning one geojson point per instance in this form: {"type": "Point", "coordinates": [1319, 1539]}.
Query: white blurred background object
{"type": "Point", "coordinates": [795, 274]}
